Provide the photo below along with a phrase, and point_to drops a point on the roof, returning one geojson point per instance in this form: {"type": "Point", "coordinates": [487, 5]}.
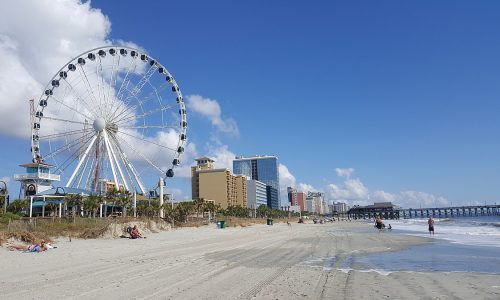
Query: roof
{"type": "Point", "coordinates": [254, 157]}
{"type": "Point", "coordinates": [204, 158]}
{"type": "Point", "coordinates": [65, 191]}
{"type": "Point", "coordinates": [36, 165]}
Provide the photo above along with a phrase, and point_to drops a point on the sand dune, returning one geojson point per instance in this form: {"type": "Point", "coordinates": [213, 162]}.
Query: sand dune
{"type": "Point", "coordinates": [260, 262]}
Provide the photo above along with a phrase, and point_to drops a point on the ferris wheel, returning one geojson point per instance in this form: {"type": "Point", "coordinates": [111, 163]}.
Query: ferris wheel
{"type": "Point", "coordinates": [111, 115]}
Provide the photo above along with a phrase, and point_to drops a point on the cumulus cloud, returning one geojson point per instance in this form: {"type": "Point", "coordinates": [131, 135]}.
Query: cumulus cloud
{"type": "Point", "coordinates": [287, 179]}
{"type": "Point", "coordinates": [211, 110]}
{"type": "Point", "coordinates": [35, 46]}
{"type": "Point", "coordinates": [354, 192]}
{"type": "Point", "coordinates": [347, 172]}
{"type": "Point", "coordinates": [414, 198]}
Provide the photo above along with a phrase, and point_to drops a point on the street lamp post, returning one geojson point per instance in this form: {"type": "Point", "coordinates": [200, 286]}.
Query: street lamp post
{"type": "Point", "coordinates": [5, 193]}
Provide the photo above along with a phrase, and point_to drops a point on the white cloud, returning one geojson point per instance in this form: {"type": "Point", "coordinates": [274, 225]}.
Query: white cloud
{"type": "Point", "coordinates": [381, 196]}
{"type": "Point", "coordinates": [416, 199]}
{"type": "Point", "coordinates": [347, 172]}
{"type": "Point", "coordinates": [211, 110]}
{"type": "Point", "coordinates": [351, 190]}
{"type": "Point", "coordinates": [287, 179]}
{"type": "Point", "coordinates": [354, 192]}
{"type": "Point", "coordinates": [223, 157]}
{"type": "Point", "coordinates": [33, 47]}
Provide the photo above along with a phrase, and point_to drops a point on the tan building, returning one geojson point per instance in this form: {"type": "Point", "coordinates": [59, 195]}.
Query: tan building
{"type": "Point", "coordinates": [219, 185]}
{"type": "Point", "coordinates": [202, 163]}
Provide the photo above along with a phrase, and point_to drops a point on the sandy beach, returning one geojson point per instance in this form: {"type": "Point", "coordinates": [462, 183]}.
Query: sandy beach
{"type": "Point", "coordinates": [304, 261]}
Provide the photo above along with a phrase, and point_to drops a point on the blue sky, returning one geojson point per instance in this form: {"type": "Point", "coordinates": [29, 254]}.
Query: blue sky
{"type": "Point", "coordinates": [366, 101]}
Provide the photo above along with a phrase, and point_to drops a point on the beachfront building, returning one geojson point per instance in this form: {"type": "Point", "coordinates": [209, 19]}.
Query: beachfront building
{"type": "Point", "coordinates": [218, 185]}
{"type": "Point", "coordinates": [256, 194]}
{"type": "Point", "coordinates": [37, 179]}
{"type": "Point", "coordinates": [263, 168]}
{"type": "Point", "coordinates": [202, 163]}
{"type": "Point", "coordinates": [315, 203]}
{"type": "Point", "coordinates": [339, 208]}
{"type": "Point", "coordinates": [296, 198]}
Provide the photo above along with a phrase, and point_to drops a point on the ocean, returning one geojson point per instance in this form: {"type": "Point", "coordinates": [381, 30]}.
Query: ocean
{"type": "Point", "coordinates": [464, 244]}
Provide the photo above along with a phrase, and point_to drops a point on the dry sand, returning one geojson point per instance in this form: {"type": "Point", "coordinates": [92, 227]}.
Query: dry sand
{"type": "Point", "coordinates": [261, 262]}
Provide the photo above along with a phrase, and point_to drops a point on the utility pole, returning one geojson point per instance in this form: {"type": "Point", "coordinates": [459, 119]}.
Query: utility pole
{"type": "Point", "coordinates": [5, 193]}
{"type": "Point", "coordinates": [161, 197]}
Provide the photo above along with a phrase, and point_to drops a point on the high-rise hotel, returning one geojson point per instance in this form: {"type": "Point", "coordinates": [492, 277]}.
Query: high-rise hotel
{"type": "Point", "coordinates": [217, 185]}
{"type": "Point", "coordinates": [264, 169]}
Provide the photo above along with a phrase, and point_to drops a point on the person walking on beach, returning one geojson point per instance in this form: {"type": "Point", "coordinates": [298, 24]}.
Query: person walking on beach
{"type": "Point", "coordinates": [378, 223]}
{"type": "Point", "coordinates": [430, 222]}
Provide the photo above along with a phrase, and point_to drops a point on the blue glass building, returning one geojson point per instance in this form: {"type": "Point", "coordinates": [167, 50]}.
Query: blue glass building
{"type": "Point", "coordinates": [264, 169]}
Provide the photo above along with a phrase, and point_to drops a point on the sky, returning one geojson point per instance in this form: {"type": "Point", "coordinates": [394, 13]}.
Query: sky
{"type": "Point", "coordinates": [365, 101]}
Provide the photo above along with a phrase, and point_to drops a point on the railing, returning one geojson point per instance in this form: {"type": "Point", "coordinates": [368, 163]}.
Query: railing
{"type": "Point", "coordinates": [39, 175]}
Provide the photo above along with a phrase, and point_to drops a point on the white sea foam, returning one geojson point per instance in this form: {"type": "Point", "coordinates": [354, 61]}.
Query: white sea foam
{"type": "Point", "coordinates": [461, 231]}
{"type": "Point", "coordinates": [381, 272]}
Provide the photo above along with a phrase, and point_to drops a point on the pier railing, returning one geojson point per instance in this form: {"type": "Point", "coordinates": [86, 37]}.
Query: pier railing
{"type": "Point", "coordinates": [437, 212]}
{"type": "Point", "coordinates": [453, 211]}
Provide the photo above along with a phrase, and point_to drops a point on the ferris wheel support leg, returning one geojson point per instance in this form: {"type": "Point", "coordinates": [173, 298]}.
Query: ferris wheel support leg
{"type": "Point", "coordinates": [70, 181]}
{"type": "Point", "coordinates": [161, 198]}
{"type": "Point", "coordinates": [135, 204]}
{"type": "Point", "coordinates": [111, 161]}
{"type": "Point", "coordinates": [31, 206]}
{"type": "Point", "coordinates": [117, 164]}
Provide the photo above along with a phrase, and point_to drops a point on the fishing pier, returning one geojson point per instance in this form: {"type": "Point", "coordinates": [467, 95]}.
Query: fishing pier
{"type": "Point", "coordinates": [387, 210]}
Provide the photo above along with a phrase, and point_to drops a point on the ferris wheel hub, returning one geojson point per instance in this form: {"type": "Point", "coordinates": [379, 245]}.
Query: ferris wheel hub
{"type": "Point", "coordinates": [99, 124]}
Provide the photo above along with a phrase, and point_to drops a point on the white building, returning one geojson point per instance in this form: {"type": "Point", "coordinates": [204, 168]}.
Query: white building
{"type": "Point", "coordinates": [340, 207]}
{"type": "Point", "coordinates": [256, 194]}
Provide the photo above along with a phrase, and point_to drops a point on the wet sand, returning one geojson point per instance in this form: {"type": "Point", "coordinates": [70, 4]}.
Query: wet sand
{"type": "Point", "coordinates": [304, 261]}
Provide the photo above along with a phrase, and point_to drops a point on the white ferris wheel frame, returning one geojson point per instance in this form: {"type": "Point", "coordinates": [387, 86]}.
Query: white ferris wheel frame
{"type": "Point", "coordinates": [118, 160]}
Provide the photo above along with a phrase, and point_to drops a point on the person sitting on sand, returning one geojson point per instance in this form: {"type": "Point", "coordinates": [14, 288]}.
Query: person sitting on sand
{"type": "Point", "coordinates": [134, 233]}
{"type": "Point", "coordinates": [31, 248]}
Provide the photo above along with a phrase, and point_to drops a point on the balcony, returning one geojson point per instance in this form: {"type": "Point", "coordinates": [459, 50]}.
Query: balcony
{"type": "Point", "coordinates": [45, 176]}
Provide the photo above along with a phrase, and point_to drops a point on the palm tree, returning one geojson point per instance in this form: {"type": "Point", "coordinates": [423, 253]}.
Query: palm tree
{"type": "Point", "coordinates": [262, 211]}
{"type": "Point", "coordinates": [199, 205]}
{"type": "Point", "coordinates": [17, 206]}
{"type": "Point", "coordinates": [75, 201]}
{"type": "Point", "coordinates": [91, 204]}
{"type": "Point", "coordinates": [124, 200]}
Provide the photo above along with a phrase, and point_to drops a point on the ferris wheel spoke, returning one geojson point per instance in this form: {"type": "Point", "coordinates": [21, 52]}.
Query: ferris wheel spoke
{"type": "Point", "coordinates": [138, 87]}
{"type": "Point", "coordinates": [151, 126]}
{"type": "Point", "coordinates": [90, 89]}
{"type": "Point", "coordinates": [112, 83]}
{"type": "Point", "coordinates": [79, 98]}
{"type": "Point", "coordinates": [100, 89]}
{"type": "Point", "coordinates": [61, 134]}
{"type": "Point", "coordinates": [71, 108]}
{"type": "Point", "coordinates": [64, 120]}
{"type": "Point", "coordinates": [153, 164]}
{"type": "Point", "coordinates": [129, 110]}
{"type": "Point", "coordinates": [145, 114]}
{"type": "Point", "coordinates": [142, 139]}
{"type": "Point", "coordinates": [67, 146]}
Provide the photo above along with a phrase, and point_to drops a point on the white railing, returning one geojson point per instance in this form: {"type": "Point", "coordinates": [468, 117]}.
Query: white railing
{"type": "Point", "coordinates": [47, 176]}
